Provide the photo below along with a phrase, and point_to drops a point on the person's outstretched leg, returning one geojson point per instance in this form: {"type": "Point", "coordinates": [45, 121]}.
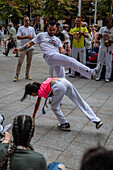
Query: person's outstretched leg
{"type": "Point", "coordinates": [65, 61]}
{"type": "Point", "coordinates": [74, 96]}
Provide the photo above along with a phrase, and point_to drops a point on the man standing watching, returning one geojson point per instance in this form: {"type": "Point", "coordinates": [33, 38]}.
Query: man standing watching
{"type": "Point", "coordinates": [25, 34]}
{"type": "Point", "coordinates": [78, 48]}
{"type": "Point", "coordinates": [106, 48]}
{"type": "Point", "coordinates": [12, 39]}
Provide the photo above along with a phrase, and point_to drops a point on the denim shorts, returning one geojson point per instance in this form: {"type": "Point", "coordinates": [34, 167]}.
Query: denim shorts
{"type": "Point", "coordinates": [53, 166]}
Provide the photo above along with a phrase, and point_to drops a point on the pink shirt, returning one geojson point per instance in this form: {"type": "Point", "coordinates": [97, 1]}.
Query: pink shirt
{"type": "Point", "coordinates": [45, 88]}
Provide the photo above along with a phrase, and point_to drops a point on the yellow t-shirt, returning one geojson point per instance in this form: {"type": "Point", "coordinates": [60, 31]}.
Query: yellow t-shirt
{"type": "Point", "coordinates": [76, 43]}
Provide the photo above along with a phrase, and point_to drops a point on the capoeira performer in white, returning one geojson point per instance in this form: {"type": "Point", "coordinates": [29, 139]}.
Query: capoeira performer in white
{"type": "Point", "coordinates": [57, 88]}
{"type": "Point", "coordinates": [105, 50]}
{"type": "Point", "coordinates": [54, 54]}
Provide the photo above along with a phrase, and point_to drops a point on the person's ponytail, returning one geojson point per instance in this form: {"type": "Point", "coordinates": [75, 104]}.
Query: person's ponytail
{"type": "Point", "coordinates": [31, 88]}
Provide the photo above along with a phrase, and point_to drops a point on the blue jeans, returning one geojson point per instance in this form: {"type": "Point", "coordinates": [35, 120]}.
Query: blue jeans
{"type": "Point", "coordinates": [53, 166]}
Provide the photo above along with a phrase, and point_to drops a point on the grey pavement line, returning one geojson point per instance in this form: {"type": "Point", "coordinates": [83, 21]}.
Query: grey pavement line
{"type": "Point", "coordinates": [108, 137]}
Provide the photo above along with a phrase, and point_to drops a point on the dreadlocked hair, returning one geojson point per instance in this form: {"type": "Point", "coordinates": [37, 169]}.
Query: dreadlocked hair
{"type": "Point", "coordinates": [23, 129]}
{"type": "Point", "coordinates": [31, 88]}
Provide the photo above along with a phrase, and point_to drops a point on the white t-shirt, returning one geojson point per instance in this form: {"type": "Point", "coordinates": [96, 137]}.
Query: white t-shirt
{"type": "Point", "coordinates": [66, 35]}
{"type": "Point", "coordinates": [104, 32]}
{"type": "Point", "coordinates": [89, 42]}
{"type": "Point", "coordinates": [25, 31]}
{"type": "Point", "coordinates": [48, 44]}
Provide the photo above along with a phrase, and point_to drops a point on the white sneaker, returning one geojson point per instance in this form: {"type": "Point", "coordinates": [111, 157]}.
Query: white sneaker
{"type": "Point", "coordinates": [97, 79]}
{"type": "Point", "coordinates": [107, 80]}
{"type": "Point", "coordinates": [96, 70]}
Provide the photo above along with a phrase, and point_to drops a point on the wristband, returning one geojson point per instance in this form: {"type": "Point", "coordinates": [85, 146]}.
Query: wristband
{"type": "Point", "coordinates": [34, 115]}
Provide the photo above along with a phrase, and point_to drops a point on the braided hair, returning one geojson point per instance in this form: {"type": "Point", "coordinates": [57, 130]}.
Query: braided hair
{"type": "Point", "coordinates": [23, 129]}
{"type": "Point", "coordinates": [31, 88]}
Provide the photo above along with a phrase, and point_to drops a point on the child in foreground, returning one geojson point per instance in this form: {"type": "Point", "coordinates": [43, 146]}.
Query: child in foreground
{"type": "Point", "coordinates": [57, 88]}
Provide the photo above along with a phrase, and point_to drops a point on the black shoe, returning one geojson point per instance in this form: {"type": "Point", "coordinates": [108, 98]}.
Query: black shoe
{"type": "Point", "coordinates": [65, 126]}
{"type": "Point", "coordinates": [5, 54]}
{"type": "Point", "coordinates": [16, 55]}
{"type": "Point", "coordinates": [98, 124]}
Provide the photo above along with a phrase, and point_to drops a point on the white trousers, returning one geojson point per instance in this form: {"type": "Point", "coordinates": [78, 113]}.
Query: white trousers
{"type": "Point", "coordinates": [60, 71]}
{"type": "Point", "coordinates": [64, 87]}
{"type": "Point", "coordinates": [106, 57]}
{"type": "Point", "coordinates": [82, 56]}
{"type": "Point", "coordinates": [59, 61]}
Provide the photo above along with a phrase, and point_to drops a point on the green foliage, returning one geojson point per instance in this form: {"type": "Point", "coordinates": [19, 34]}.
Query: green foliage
{"type": "Point", "coordinates": [56, 9]}
{"type": "Point", "coordinates": [9, 9]}
{"type": "Point", "coordinates": [17, 8]}
{"type": "Point", "coordinates": [52, 9]}
{"type": "Point", "coordinates": [104, 7]}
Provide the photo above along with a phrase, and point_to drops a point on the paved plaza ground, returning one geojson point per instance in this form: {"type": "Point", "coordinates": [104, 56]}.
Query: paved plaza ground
{"type": "Point", "coordinates": [56, 145]}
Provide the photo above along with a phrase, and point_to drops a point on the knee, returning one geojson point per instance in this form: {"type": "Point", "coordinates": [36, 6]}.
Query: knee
{"type": "Point", "coordinates": [61, 166]}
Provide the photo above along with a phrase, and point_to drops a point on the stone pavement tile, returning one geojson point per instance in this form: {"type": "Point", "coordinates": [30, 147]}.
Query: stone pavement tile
{"type": "Point", "coordinates": [78, 113]}
{"type": "Point", "coordinates": [78, 83]}
{"type": "Point", "coordinates": [79, 119]}
{"type": "Point", "coordinates": [76, 127]}
{"type": "Point", "coordinates": [106, 110]}
{"type": "Point", "coordinates": [67, 103]}
{"type": "Point", "coordinates": [109, 102]}
{"type": "Point", "coordinates": [89, 90]}
{"type": "Point", "coordinates": [94, 108]}
{"type": "Point", "coordinates": [108, 85]}
{"type": "Point", "coordinates": [44, 124]}
{"type": "Point", "coordinates": [100, 95]}
{"type": "Point", "coordinates": [2, 105]}
{"type": "Point", "coordinates": [111, 135]}
{"type": "Point", "coordinates": [50, 154]}
{"type": "Point", "coordinates": [5, 92]}
{"type": "Point", "coordinates": [107, 120]}
{"type": "Point", "coordinates": [57, 139]}
{"type": "Point", "coordinates": [94, 102]}
{"type": "Point", "coordinates": [84, 95]}
{"type": "Point", "coordinates": [95, 84]}
{"type": "Point", "coordinates": [91, 136]}
{"type": "Point", "coordinates": [106, 128]}
{"type": "Point", "coordinates": [35, 138]}
{"type": "Point", "coordinates": [108, 90]}
{"type": "Point", "coordinates": [81, 80]}
{"type": "Point", "coordinates": [50, 114]}
{"type": "Point", "coordinates": [72, 155]}
{"type": "Point", "coordinates": [109, 144]}
{"type": "Point", "coordinates": [13, 109]}
{"type": "Point", "coordinates": [12, 97]}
